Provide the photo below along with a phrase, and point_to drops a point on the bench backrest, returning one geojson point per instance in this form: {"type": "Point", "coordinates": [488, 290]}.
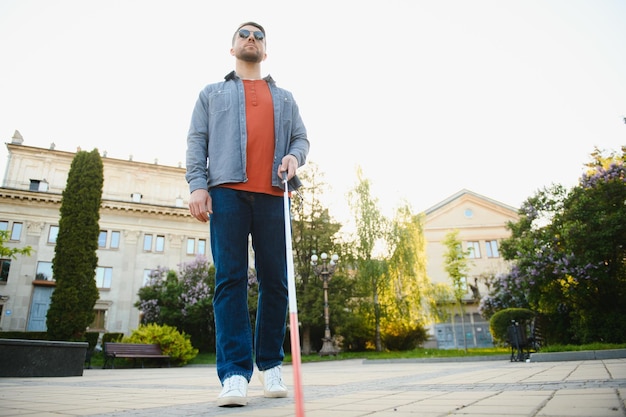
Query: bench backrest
{"type": "Point", "coordinates": [112, 348]}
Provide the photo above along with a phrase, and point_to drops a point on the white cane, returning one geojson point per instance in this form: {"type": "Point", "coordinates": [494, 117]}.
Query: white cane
{"type": "Point", "coordinates": [293, 307]}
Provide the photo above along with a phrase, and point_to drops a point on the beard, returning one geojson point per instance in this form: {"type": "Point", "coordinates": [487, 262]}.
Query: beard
{"type": "Point", "coordinates": [248, 55]}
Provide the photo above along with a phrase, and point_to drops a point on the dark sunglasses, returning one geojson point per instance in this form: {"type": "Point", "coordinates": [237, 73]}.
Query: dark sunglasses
{"type": "Point", "coordinates": [245, 34]}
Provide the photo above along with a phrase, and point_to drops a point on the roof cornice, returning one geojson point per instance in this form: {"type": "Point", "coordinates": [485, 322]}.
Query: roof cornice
{"type": "Point", "coordinates": [55, 198]}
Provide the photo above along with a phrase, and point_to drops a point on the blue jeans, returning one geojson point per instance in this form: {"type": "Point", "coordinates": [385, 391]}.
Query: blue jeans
{"type": "Point", "coordinates": [236, 215]}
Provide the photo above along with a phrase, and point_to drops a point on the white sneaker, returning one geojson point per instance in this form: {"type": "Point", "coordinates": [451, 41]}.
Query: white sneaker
{"type": "Point", "coordinates": [273, 386]}
{"type": "Point", "coordinates": [234, 392]}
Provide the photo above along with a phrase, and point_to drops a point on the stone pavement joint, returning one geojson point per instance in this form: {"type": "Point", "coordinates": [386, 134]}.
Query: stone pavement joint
{"type": "Point", "coordinates": [350, 388]}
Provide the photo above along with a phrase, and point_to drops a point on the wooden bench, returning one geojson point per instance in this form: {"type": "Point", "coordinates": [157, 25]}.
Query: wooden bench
{"type": "Point", "coordinates": [132, 351]}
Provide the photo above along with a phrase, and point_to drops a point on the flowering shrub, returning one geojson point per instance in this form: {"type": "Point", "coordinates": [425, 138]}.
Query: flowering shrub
{"type": "Point", "coordinates": [615, 172]}
{"type": "Point", "coordinates": [171, 341]}
{"type": "Point", "coordinates": [568, 250]}
{"type": "Point", "coordinates": [182, 300]}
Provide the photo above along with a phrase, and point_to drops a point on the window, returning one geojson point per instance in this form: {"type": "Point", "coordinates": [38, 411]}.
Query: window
{"type": "Point", "coordinates": [191, 246]}
{"type": "Point", "coordinates": [115, 240]}
{"type": "Point", "coordinates": [102, 239]}
{"type": "Point", "coordinates": [492, 249]}
{"type": "Point", "coordinates": [4, 225]}
{"type": "Point", "coordinates": [103, 277]}
{"type": "Point", "coordinates": [99, 321]}
{"type": "Point", "coordinates": [160, 244]}
{"type": "Point", "coordinates": [37, 185]}
{"type": "Point", "coordinates": [16, 231]}
{"type": "Point", "coordinates": [44, 271]}
{"type": "Point", "coordinates": [147, 242]}
{"type": "Point", "coordinates": [53, 234]}
{"type": "Point", "coordinates": [5, 266]}
{"type": "Point", "coordinates": [474, 250]}
{"type": "Point", "coordinates": [464, 283]}
{"type": "Point", "coordinates": [146, 277]}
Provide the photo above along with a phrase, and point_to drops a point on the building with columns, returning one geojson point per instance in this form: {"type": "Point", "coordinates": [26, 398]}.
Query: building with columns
{"type": "Point", "coordinates": [144, 220]}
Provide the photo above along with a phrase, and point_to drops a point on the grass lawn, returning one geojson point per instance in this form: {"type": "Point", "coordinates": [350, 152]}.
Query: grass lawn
{"type": "Point", "coordinates": [209, 358]}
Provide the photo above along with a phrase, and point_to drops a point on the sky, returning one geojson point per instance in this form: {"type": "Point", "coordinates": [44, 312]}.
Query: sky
{"type": "Point", "coordinates": [427, 98]}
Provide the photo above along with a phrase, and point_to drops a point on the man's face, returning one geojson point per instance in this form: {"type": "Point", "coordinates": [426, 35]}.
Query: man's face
{"type": "Point", "coordinates": [248, 48]}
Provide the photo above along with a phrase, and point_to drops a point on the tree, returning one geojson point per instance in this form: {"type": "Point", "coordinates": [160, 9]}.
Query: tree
{"type": "Point", "coordinates": [506, 290]}
{"type": "Point", "coordinates": [569, 249]}
{"type": "Point", "coordinates": [537, 279]}
{"type": "Point", "coordinates": [6, 252]}
{"type": "Point", "coordinates": [313, 232]}
{"type": "Point", "coordinates": [75, 258]}
{"type": "Point", "coordinates": [407, 282]}
{"type": "Point", "coordinates": [593, 229]}
{"type": "Point", "coordinates": [456, 261]}
{"type": "Point", "coordinates": [370, 229]}
{"type": "Point", "coordinates": [182, 300]}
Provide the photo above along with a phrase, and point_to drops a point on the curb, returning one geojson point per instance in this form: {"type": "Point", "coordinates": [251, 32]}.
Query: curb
{"type": "Point", "coordinates": [583, 355]}
{"type": "Point", "coordinates": [444, 359]}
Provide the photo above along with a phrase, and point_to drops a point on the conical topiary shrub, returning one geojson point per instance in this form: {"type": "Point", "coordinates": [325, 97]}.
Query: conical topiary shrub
{"type": "Point", "coordinates": [75, 259]}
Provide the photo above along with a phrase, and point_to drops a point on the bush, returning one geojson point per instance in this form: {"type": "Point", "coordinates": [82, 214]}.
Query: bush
{"type": "Point", "coordinates": [23, 335]}
{"type": "Point", "coordinates": [92, 339]}
{"type": "Point", "coordinates": [112, 337]}
{"type": "Point", "coordinates": [398, 337]}
{"type": "Point", "coordinates": [172, 342]}
{"type": "Point", "coordinates": [501, 320]}
{"type": "Point", "coordinates": [182, 300]}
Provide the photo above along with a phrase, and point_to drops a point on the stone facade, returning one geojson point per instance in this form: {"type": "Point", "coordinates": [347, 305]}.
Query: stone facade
{"type": "Point", "coordinates": [144, 220]}
{"type": "Point", "coordinates": [481, 223]}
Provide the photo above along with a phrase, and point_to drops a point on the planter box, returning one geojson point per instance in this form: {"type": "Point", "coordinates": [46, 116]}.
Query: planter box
{"type": "Point", "coordinates": [35, 358]}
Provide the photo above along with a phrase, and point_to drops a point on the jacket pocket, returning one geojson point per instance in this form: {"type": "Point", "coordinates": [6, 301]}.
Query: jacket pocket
{"type": "Point", "coordinates": [219, 101]}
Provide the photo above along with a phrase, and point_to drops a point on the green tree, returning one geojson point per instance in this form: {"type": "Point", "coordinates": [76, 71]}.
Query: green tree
{"type": "Point", "coordinates": [7, 252]}
{"type": "Point", "coordinates": [593, 231]}
{"type": "Point", "coordinates": [440, 295]}
{"type": "Point", "coordinates": [569, 252]}
{"type": "Point", "coordinates": [371, 229]}
{"type": "Point", "coordinates": [314, 232]}
{"type": "Point", "coordinates": [456, 261]}
{"type": "Point", "coordinates": [75, 258]}
{"type": "Point", "coordinates": [536, 279]}
{"type": "Point", "coordinates": [184, 300]}
{"type": "Point", "coordinates": [407, 282]}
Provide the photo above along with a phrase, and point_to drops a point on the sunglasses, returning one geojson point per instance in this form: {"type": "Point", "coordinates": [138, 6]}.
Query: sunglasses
{"type": "Point", "coordinates": [245, 34]}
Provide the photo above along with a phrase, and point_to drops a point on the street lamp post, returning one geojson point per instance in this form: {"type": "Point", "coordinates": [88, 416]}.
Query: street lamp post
{"type": "Point", "coordinates": [325, 271]}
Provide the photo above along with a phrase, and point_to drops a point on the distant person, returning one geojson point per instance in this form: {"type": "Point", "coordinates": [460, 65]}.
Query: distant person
{"type": "Point", "coordinates": [245, 134]}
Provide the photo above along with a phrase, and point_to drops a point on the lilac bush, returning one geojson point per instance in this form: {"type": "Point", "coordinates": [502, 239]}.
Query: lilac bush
{"type": "Point", "coordinates": [568, 251]}
{"type": "Point", "coordinates": [182, 300]}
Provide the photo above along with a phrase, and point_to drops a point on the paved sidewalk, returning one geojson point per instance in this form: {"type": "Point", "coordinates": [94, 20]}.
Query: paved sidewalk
{"type": "Point", "coordinates": [352, 388]}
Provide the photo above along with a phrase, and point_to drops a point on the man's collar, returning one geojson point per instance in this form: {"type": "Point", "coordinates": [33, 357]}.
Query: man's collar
{"type": "Point", "coordinates": [233, 75]}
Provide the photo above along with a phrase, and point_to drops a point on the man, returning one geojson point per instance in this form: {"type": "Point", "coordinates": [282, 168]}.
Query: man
{"type": "Point", "coordinates": [245, 135]}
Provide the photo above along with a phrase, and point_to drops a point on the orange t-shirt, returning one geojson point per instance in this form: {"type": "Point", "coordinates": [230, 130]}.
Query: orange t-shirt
{"type": "Point", "coordinates": [260, 146]}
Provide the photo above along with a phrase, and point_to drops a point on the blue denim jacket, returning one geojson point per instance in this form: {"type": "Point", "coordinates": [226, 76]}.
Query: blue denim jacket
{"type": "Point", "coordinates": [216, 142]}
